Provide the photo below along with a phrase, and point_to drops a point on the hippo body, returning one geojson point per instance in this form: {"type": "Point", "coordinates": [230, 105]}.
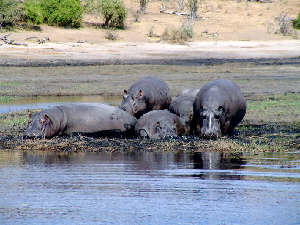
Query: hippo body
{"type": "Point", "coordinates": [218, 108]}
{"type": "Point", "coordinates": [82, 118]}
{"type": "Point", "coordinates": [159, 124]}
{"type": "Point", "coordinates": [148, 93]}
{"type": "Point", "coordinates": [182, 106]}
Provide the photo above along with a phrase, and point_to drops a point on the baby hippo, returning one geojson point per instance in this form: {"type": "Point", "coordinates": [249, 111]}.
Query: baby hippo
{"type": "Point", "coordinates": [182, 106]}
{"type": "Point", "coordinates": [83, 118]}
{"type": "Point", "coordinates": [219, 107]}
{"type": "Point", "coordinates": [148, 93]}
{"type": "Point", "coordinates": [159, 124]}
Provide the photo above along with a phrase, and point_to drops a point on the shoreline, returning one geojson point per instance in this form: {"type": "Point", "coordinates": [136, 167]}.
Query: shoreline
{"type": "Point", "coordinates": [126, 53]}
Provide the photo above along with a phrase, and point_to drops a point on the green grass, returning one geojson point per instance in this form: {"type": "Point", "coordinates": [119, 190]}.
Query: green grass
{"type": "Point", "coordinates": [275, 108]}
{"type": "Point", "coordinates": [7, 99]}
{"type": "Point", "coordinates": [10, 84]}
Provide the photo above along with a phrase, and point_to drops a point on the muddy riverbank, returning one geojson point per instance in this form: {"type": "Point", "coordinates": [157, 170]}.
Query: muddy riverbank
{"type": "Point", "coordinates": [271, 87]}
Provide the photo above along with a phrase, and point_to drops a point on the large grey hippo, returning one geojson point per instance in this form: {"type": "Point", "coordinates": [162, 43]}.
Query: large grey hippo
{"type": "Point", "coordinates": [148, 93]}
{"type": "Point", "coordinates": [218, 107]}
{"type": "Point", "coordinates": [81, 117]}
{"type": "Point", "coordinates": [159, 124]}
{"type": "Point", "coordinates": [182, 106]}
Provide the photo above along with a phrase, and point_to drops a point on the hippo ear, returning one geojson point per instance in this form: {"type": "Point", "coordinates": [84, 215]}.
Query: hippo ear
{"type": "Point", "coordinates": [125, 94]}
{"type": "Point", "coordinates": [141, 93]}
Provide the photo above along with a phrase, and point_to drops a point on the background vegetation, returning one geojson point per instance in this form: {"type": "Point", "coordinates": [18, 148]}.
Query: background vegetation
{"type": "Point", "coordinates": [296, 22]}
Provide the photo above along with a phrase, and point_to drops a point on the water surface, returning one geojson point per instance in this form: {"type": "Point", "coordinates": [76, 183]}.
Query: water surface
{"type": "Point", "coordinates": [149, 188]}
{"type": "Point", "coordinates": [44, 102]}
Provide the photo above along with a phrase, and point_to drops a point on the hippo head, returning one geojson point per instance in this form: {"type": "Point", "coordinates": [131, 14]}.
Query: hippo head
{"type": "Point", "coordinates": [135, 104]}
{"type": "Point", "coordinates": [211, 121]}
{"type": "Point", "coordinates": [158, 130]}
{"type": "Point", "coordinates": [39, 126]}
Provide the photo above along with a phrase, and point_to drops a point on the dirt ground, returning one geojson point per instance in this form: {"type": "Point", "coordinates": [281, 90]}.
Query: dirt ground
{"type": "Point", "coordinates": [223, 20]}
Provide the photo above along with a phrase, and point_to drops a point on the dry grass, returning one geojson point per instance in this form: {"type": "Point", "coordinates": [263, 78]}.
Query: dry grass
{"type": "Point", "coordinates": [230, 19]}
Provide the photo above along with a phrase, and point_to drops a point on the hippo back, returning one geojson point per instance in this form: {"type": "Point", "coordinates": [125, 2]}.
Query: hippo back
{"type": "Point", "coordinates": [81, 117]}
{"type": "Point", "coordinates": [148, 93]}
{"type": "Point", "coordinates": [90, 118]}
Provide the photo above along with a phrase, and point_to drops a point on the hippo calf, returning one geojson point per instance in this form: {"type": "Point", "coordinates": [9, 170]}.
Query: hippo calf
{"type": "Point", "coordinates": [159, 124]}
{"type": "Point", "coordinates": [82, 118]}
{"type": "Point", "coordinates": [218, 108]}
{"type": "Point", "coordinates": [182, 106]}
{"type": "Point", "coordinates": [148, 93]}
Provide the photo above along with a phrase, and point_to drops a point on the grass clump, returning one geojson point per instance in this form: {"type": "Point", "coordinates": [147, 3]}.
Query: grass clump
{"type": "Point", "coordinates": [296, 22]}
{"type": "Point", "coordinates": [182, 34]}
{"type": "Point", "coordinates": [111, 35]}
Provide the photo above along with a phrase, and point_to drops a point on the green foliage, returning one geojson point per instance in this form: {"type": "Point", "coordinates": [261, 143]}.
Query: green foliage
{"type": "Point", "coordinates": [33, 12]}
{"type": "Point", "coordinates": [62, 12]}
{"type": "Point", "coordinates": [10, 13]}
{"type": "Point", "coordinates": [296, 22]}
{"type": "Point", "coordinates": [114, 13]}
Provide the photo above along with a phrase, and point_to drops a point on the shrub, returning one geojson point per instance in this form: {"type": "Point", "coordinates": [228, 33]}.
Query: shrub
{"type": "Point", "coordinates": [285, 24]}
{"type": "Point", "coordinates": [192, 6]}
{"type": "Point", "coordinates": [62, 12]}
{"type": "Point", "coordinates": [143, 5]}
{"type": "Point", "coordinates": [182, 34]}
{"type": "Point", "coordinates": [296, 22]}
{"type": "Point", "coordinates": [33, 12]}
{"type": "Point", "coordinates": [114, 13]}
{"type": "Point", "coordinates": [111, 35]}
{"type": "Point", "coordinates": [10, 13]}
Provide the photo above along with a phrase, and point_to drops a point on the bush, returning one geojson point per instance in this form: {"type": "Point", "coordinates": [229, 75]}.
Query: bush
{"type": "Point", "coordinates": [111, 35]}
{"type": "Point", "coordinates": [182, 34]}
{"type": "Point", "coordinates": [296, 22]}
{"type": "Point", "coordinates": [114, 13]}
{"type": "Point", "coordinates": [10, 13]}
{"type": "Point", "coordinates": [33, 12]}
{"type": "Point", "coordinates": [62, 12]}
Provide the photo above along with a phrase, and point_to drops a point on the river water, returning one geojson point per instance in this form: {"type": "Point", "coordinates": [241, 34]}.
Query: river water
{"type": "Point", "coordinates": [44, 102]}
{"type": "Point", "coordinates": [149, 188]}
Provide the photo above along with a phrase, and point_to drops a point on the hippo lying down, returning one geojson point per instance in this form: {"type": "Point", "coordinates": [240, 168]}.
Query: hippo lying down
{"type": "Point", "coordinates": [159, 124]}
{"type": "Point", "coordinates": [82, 118]}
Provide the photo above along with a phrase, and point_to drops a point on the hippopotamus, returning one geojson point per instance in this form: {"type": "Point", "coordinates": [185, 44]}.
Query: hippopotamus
{"type": "Point", "coordinates": [190, 92]}
{"type": "Point", "coordinates": [159, 124]}
{"type": "Point", "coordinates": [218, 108]}
{"type": "Point", "coordinates": [182, 106]}
{"type": "Point", "coordinates": [148, 93]}
{"type": "Point", "coordinates": [81, 117]}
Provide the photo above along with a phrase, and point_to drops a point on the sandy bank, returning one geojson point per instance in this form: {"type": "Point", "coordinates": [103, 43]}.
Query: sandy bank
{"type": "Point", "coordinates": [131, 53]}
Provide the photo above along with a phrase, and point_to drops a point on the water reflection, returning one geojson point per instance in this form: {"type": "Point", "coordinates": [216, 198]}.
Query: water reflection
{"type": "Point", "coordinates": [148, 188]}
